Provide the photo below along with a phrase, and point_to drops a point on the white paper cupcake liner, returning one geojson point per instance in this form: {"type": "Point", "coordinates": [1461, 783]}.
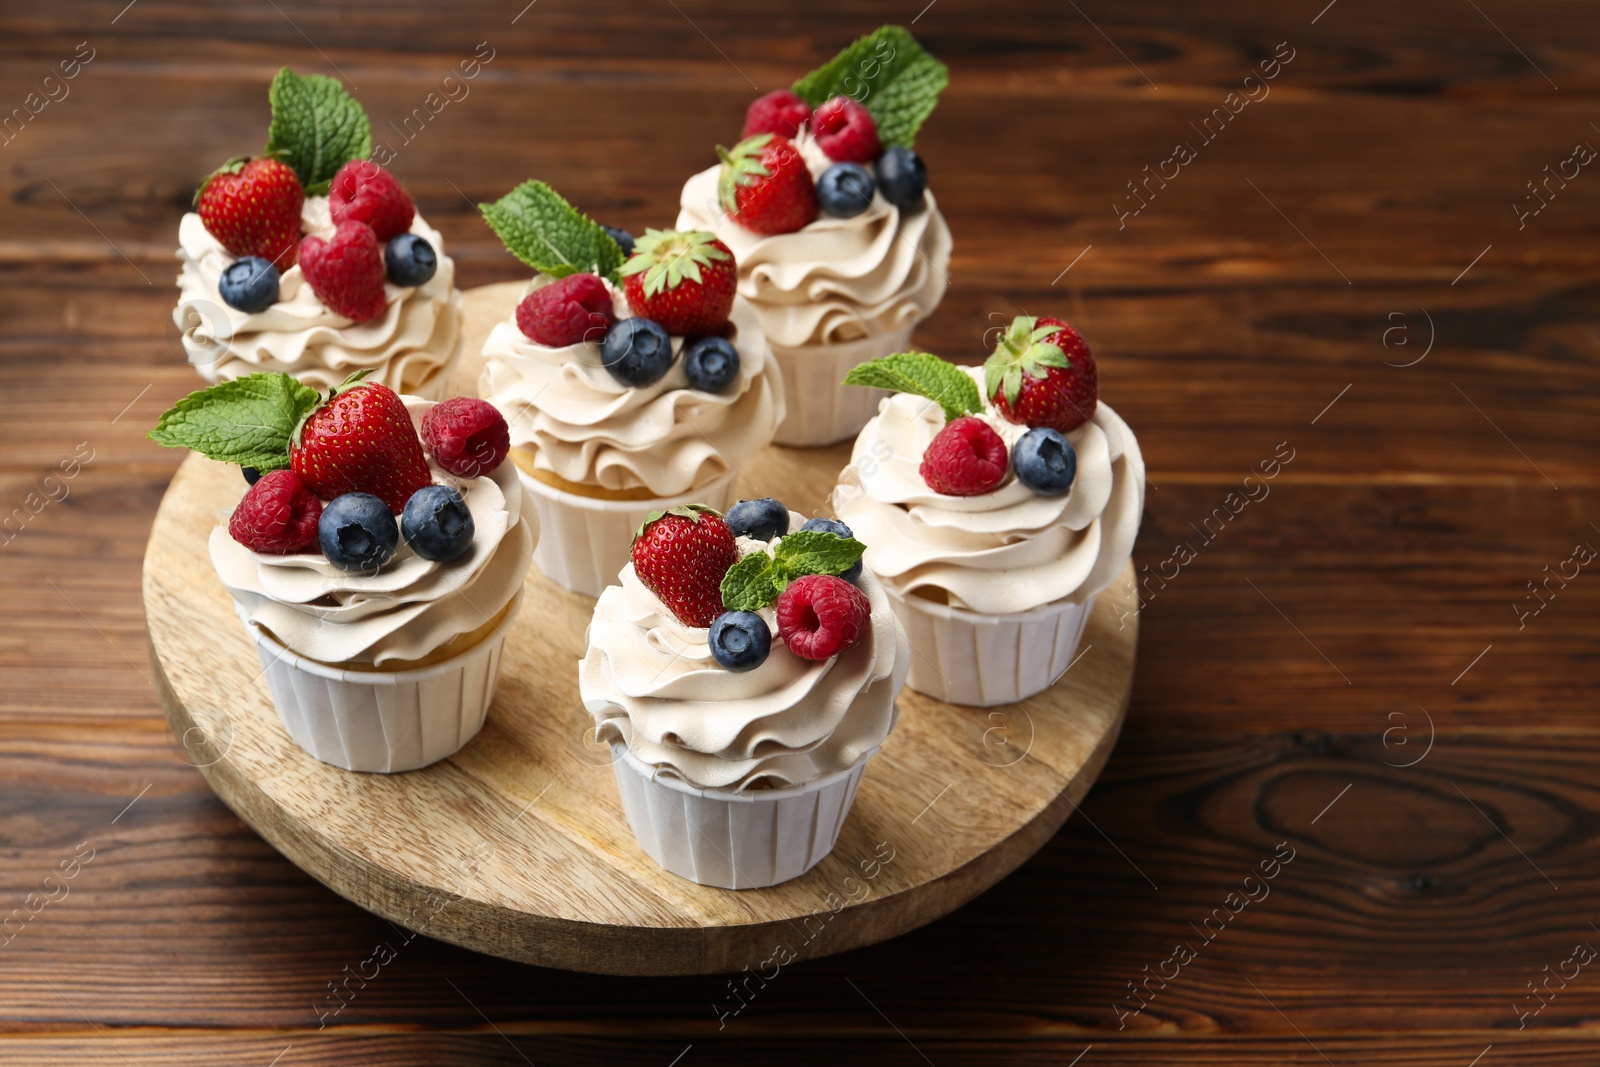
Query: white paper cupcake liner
{"type": "Point", "coordinates": [584, 541]}
{"type": "Point", "coordinates": [821, 411]}
{"type": "Point", "coordinates": [963, 657]}
{"type": "Point", "coordinates": [383, 721]}
{"type": "Point", "coordinates": [734, 840]}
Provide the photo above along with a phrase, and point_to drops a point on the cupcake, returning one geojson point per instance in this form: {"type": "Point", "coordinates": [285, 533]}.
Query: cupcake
{"type": "Point", "coordinates": [377, 579]}
{"type": "Point", "coordinates": [841, 247]}
{"type": "Point", "coordinates": [311, 260]}
{"type": "Point", "coordinates": [744, 675]}
{"type": "Point", "coordinates": [997, 502]}
{"type": "Point", "coordinates": [632, 385]}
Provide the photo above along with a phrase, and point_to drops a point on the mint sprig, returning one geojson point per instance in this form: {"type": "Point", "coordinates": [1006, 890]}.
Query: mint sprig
{"type": "Point", "coordinates": [248, 421]}
{"type": "Point", "coordinates": [924, 374]}
{"type": "Point", "coordinates": [317, 127]}
{"type": "Point", "coordinates": [540, 228]}
{"type": "Point", "coordinates": [757, 580]}
{"type": "Point", "coordinates": [887, 72]}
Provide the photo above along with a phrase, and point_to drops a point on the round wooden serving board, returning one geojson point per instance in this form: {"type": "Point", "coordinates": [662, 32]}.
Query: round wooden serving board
{"type": "Point", "coordinates": [517, 845]}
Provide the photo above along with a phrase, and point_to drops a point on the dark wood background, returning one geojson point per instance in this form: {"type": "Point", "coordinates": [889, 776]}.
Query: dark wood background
{"type": "Point", "coordinates": [1322, 239]}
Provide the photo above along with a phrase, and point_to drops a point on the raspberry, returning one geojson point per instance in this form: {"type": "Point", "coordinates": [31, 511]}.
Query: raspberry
{"type": "Point", "coordinates": [821, 615]}
{"type": "Point", "coordinates": [346, 271]}
{"type": "Point", "coordinates": [780, 112]}
{"type": "Point", "coordinates": [362, 191]}
{"type": "Point", "coordinates": [277, 516]}
{"type": "Point", "coordinates": [845, 131]}
{"type": "Point", "coordinates": [966, 458]}
{"type": "Point", "coordinates": [466, 436]}
{"type": "Point", "coordinates": [576, 308]}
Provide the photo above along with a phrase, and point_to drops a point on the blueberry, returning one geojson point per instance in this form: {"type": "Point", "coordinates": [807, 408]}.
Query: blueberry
{"type": "Point", "coordinates": [903, 177]}
{"type": "Point", "coordinates": [1045, 461]}
{"type": "Point", "coordinates": [437, 524]}
{"type": "Point", "coordinates": [762, 519]}
{"type": "Point", "coordinates": [712, 363]}
{"type": "Point", "coordinates": [251, 475]}
{"type": "Point", "coordinates": [357, 532]}
{"type": "Point", "coordinates": [409, 259]}
{"type": "Point", "coordinates": [623, 238]}
{"type": "Point", "coordinates": [834, 526]}
{"type": "Point", "coordinates": [740, 640]}
{"type": "Point", "coordinates": [249, 284]}
{"type": "Point", "coordinates": [636, 351]}
{"type": "Point", "coordinates": [845, 190]}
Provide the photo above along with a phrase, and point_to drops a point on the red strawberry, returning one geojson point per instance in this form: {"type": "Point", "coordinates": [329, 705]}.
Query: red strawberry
{"type": "Point", "coordinates": [360, 440]}
{"type": "Point", "coordinates": [577, 308]}
{"type": "Point", "coordinates": [682, 280]}
{"type": "Point", "coordinates": [966, 458]}
{"type": "Point", "coordinates": [681, 555]}
{"type": "Point", "coordinates": [766, 186]}
{"type": "Point", "coordinates": [820, 616]}
{"type": "Point", "coordinates": [253, 207]}
{"type": "Point", "coordinates": [780, 111]}
{"type": "Point", "coordinates": [845, 131]}
{"type": "Point", "coordinates": [277, 516]}
{"type": "Point", "coordinates": [1042, 374]}
{"type": "Point", "coordinates": [466, 436]}
{"type": "Point", "coordinates": [362, 191]}
{"type": "Point", "coordinates": [346, 272]}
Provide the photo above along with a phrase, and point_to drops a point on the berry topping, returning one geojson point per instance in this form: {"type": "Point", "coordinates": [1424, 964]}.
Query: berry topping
{"type": "Point", "coordinates": [251, 475]}
{"type": "Point", "coordinates": [761, 519]}
{"type": "Point", "coordinates": [820, 616]}
{"type": "Point", "coordinates": [437, 524]}
{"type": "Point", "coordinates": [966, 458]}
{"type": "Point", "coordinates": [253, 207]}
{"type": "Point", "coordinates": [360, 440]}
{"type": "Point", "coordinates": [712, 363]}
{"type": "Point", "coordinates": [409, 259]}
{"type": "Point", "coordinates": [277, 516]}
{"type": "Point", "coordinates": [766, 186]}
{"type": "Point", "coordinates": [1045, 461]}
{"type": "Point", "coordinates": [903, 178]}
{"type": "Point", "coordinates": [346, 272]}
{"type": "Point", "coordinates": [740, 640]}
{"type": "Point", "coordinates": [838, 529]}
{"type": "Point", "coordinates": [637, 352]}
{"type": "Point", "coordinates": [845, 131]}
{"type": "Point", "coordinates": [1041, 374]}
{"type": "Point", "coordinates": [845, 190]}
{"type": "Point", "coordinates": [362, 191]}
{"type": "Point", "coordinates": [466, 436]}
{"type": "Point", "coordinates": [249, 284]}
{"type": "Point", "coordinates": [781, 112]}
{"type": "Point", "coordinates": [357, 532]}
{"type": "Point", "coordinates": [684, 280]}
{"type": "Point", "coordinates": [623, 238]}
{"type": "Point", "coordinates": [680, 555]}
{"type": "Point", "coordinates": [574, 309]}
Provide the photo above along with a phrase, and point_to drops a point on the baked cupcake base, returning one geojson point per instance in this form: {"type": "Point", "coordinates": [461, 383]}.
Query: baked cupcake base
{"type": "Point", "coordinates": [820, 410]}
{"type": "Point", "coordinates": [964, 657]}
{"type": "Point", "coordinates": [747, 840]}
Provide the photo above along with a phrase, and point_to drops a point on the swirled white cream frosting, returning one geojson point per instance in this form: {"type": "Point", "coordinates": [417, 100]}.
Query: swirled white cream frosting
{"type": "Point", "coordinates": [412, 606]}
{"type": "Point", "coordinates": [1009, 550]}
{"type": "Point", "coordinates": [585, 426]}
{"type": "Point", "coordinates": [651, 683]}
{"type": "Point", "coordinates": [409, 348]}
{"type": "Point", "coordinates": [836, 280]}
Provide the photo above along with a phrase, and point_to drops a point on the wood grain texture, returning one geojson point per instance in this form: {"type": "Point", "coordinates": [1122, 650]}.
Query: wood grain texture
{"type": "Point", "coordinates": [1396, 542]}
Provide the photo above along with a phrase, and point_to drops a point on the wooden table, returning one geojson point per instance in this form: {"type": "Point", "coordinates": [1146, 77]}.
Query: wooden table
{"type": "Point", "coordinates": [1343, 666]}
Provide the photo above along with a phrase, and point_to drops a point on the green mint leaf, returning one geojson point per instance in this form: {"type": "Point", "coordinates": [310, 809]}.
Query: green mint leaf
{"type": "Point", "coordinates": [247, 421]}
{"type": "Point", "coordinates": [925, 375]}
{"type": "Point", "coordinates": [752, 583]}
{"type": "Point", "coordinates": [890, 74]}
{"type": "Point", "coordinates": [316, 127]}
{"type": "Point", "coordinates": [550, 235]}
{"type": "Point", "coordinates": [816, 552]}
